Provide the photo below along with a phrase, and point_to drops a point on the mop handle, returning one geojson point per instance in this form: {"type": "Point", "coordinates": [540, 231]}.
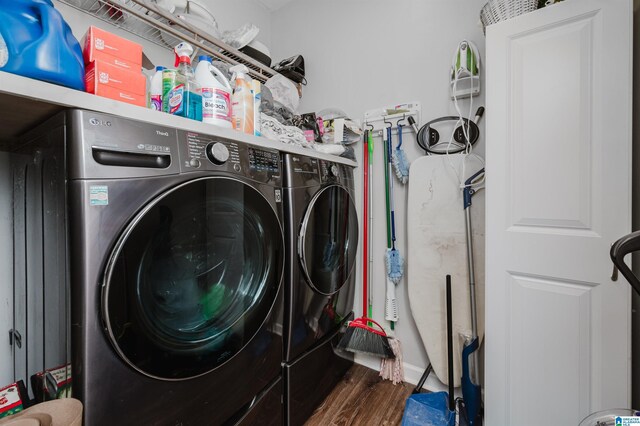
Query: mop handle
{"type": "Point", "coordinates": [365, 227]}
{"type": "Point", "coordinates": [400, 126]}
{"type": "Point", "coordinates": [391, 203]}
{"type": "Point", "coordinates": [386, 189]}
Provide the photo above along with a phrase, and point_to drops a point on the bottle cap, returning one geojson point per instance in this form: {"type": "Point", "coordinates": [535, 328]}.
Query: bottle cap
{"type": "Point", "coordinates": [205, 58]}
{"type": "Point", "coordinates": [160, 68]}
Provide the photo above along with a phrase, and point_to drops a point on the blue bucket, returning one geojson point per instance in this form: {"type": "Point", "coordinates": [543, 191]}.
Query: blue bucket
{"type": "Point", "coordinates": [40, 44]}
{"type": "Point", "coordinates": [428, 409]}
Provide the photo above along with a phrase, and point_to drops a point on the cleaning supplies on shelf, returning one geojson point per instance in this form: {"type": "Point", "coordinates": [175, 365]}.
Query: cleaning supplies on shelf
{"type": "Point", "coordinates": [39, 43]}
{"type": "Point", "coordinates": [256, 90]}
{"type": "Point", "coordinates": [242, 100]}
{"type": "Point", "coordinates": [181, 93]}
{"type": "Point", "coordinates": [114, 67]}
{"type": "Point", "coordinates": [216, 93]}
{"type": "Point", "coordinates": [155, 91]}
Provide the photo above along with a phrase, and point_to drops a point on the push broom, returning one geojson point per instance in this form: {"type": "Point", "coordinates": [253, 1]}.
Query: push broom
{"type": "Point", "coordinates": [359, 336]}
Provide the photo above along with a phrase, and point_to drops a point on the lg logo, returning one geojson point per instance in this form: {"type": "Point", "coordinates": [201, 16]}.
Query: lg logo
{"type": "Point", "coordinates": [98, 122]}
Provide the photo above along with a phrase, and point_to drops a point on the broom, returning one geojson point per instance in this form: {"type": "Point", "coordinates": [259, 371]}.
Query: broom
{"type": "Point", "coordinates": [359, 337]}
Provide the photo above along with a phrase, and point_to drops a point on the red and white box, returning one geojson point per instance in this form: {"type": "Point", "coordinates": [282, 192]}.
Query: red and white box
{"type": "Point", "coordinates": [101, 45]}
{"type": "Point", "coordinates": [113, 82]}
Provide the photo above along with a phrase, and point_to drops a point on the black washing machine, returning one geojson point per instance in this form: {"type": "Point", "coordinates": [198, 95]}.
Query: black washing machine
{"type": "Point", "coordinates": [176, 257]}
{"type": "Point", "coordinates": [321, 244]}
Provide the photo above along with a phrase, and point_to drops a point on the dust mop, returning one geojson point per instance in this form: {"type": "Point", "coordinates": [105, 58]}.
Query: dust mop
{"type": "Point", "coordinates": [400, 162]}
{"type": "Point", "coordinates": [395, 262]}
{"type": "Point", "coordinates": [359, 336]}
{"type": "Point", "coordinates": [391, 304]}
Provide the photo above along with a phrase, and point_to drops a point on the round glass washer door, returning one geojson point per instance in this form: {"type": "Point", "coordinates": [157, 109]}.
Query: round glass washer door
{"type": "Point", "coordinates": [193, 278]}
{"type": "Point", "coordinates": [328, 240]}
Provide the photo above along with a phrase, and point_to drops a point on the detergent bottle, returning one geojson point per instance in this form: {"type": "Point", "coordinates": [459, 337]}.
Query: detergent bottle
{"type": "Point", "coordinates": [39, 43]}
{"type": "Point", "coordinates": [216, 94]}
{"type": "Point", "coordinates": [242, 100]}
{"type": "Point", "coordinates": [155, 91]}
{"type": "Point", "coordinates": [181, 93]}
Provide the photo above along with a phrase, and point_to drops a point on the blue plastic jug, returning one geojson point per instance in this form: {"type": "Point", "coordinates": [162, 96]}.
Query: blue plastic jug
{"type": "Point", "coordinates": [40, 43]}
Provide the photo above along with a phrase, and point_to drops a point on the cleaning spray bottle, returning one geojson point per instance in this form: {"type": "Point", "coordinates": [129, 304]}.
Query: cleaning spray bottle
{"type": "Point", "coordinates": [242, 100]}
{"type": "Point", "coordinates": [216, 94]}
{"type": "Point", "coordinates": [181, 94]}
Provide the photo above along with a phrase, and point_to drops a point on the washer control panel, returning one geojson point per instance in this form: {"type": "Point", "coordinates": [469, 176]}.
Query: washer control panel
{"type": "Point", "coordinates": [202, 152]}
{"type": "Point", "coordinates": [264, 161]}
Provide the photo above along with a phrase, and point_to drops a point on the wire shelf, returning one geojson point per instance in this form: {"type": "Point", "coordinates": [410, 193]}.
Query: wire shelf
{"type": "Point", "coordinates": [146, 20]}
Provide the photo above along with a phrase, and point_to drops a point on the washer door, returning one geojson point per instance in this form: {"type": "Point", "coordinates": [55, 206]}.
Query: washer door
{"type": "Point", "coordinates": [328, 240]}
{"type": "Point", "coordinates": [193, 278]}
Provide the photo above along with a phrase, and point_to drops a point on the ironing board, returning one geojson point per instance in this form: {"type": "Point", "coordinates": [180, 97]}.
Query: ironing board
{"type": "Point", "coordinates": [437, 247]}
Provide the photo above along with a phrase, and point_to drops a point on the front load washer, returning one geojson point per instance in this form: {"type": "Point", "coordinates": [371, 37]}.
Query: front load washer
{"type": "Point", "coordinates": [176, 256]}
{"type": "Point", "coordinates": [321, 243]}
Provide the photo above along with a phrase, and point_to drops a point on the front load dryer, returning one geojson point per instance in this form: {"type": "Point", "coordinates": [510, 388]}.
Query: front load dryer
{"type": "Point", "coordinates": [321, 243]}
{"type": "Point", "coordinates": [176, 257]}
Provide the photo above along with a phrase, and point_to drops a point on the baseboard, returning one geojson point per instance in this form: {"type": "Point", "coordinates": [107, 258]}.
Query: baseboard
{"type": "Point", "coordinates": [412, 373]}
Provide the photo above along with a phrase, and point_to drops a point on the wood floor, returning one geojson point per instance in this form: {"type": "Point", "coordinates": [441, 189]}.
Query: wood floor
{"type": "Point", "coordinates": [362, 398]}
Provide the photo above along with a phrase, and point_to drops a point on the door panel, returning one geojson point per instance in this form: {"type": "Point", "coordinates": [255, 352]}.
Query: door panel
{"type": "Point", "coordinates": [558, 194]}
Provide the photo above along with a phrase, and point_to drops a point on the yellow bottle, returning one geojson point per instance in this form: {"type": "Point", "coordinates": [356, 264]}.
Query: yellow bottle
{"type": "Point", "coordinates": [242, 100]}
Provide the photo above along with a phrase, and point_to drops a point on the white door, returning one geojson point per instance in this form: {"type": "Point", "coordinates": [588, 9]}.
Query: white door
{"type": "Point", "coordinates": [558, 194]}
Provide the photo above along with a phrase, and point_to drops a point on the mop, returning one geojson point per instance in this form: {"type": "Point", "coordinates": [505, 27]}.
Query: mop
{"type": "Point", "coordinates": [395, 262]}
{"type": "Point", "coordinates": [400, 162]}
{"type": "Point", "coordinates": [391, 306]}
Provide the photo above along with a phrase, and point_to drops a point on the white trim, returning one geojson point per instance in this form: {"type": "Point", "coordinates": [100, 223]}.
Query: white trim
{"type": "Point", "coordinates": [412, 374]}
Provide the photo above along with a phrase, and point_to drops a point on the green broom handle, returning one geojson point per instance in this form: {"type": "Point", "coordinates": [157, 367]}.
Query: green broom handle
{"type": "Point", "coordinates": [386, 190]}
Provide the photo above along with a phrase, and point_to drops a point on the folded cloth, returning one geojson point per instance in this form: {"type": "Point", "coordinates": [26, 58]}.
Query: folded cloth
{"type": "Point", "coordinates": [272, 129]}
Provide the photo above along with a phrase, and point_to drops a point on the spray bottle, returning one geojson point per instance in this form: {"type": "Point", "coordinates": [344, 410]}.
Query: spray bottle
{"type": "Point", "coordinates": [216, 94]}
{"type": "Point", "coordinates": [242, 100]}
{"type": "Point", "coordinates": [181, 94]}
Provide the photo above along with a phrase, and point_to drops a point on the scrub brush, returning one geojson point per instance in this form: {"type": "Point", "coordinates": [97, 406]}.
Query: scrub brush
{"type": "Point", "coordinates": [400, 162]}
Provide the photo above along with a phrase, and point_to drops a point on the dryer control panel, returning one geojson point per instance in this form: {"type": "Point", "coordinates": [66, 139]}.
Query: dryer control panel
{"type": "Point", "coordinates": [335, 173]}
{"type": "Point", "coordinates": [202, 152]}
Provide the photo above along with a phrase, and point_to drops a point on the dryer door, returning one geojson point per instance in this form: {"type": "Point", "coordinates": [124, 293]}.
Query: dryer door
{"type": "Point", "coordinates": [193, 278]}
{"type": "Point", "coordinates": [328, 240]}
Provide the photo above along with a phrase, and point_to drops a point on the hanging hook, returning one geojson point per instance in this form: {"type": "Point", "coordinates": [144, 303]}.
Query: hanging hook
{"type": "Point", "coordinates": [404, 117]}
{"type": "Point", "coordinates": [388, 123]}
{"type": "Point", "coordinates": [370, 125]}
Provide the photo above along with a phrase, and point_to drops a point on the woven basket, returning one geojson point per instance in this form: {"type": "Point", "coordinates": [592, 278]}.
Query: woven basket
{"type": "Point", "coordinates": [499, 10]}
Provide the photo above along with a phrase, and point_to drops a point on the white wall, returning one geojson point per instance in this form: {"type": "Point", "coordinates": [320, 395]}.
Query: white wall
{"type": "Point", "coordinates": [365, 54]}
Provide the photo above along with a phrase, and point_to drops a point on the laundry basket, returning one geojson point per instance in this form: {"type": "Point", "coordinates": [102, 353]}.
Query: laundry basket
{"type": "Point", "coordinates": [499, 10]}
